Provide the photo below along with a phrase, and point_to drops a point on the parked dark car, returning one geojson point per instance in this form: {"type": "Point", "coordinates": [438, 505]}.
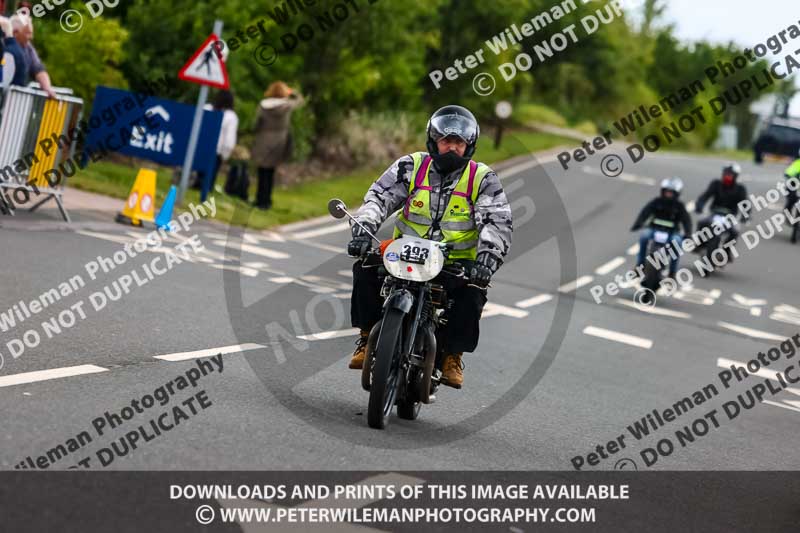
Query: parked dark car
{"type": "Point", "coordinates": [779, 137]}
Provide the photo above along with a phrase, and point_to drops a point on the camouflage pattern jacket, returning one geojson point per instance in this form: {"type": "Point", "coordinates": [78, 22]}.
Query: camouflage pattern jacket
{"type": "Point", "coordinates": [492, 211]}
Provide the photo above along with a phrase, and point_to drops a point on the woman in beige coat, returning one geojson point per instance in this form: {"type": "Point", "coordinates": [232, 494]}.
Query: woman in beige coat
{"type": "Point", "coordinates": [272, 144]}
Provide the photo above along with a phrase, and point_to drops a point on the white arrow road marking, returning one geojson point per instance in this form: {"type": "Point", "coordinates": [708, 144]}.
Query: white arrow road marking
{"type": "Point", "coordinates": [748, 302]}
{"type": "Point", "coordinates": [325, 335]}
{"type": "Point", "coordinates": [575, 285]}
{"type": "Point", "coordinates": [786, 313]}
{"type": "Point", "coordinates": [653, 310]}
{"type": "Point", "coordinates": [53, 373]}
{"type": "Point", "coordinates": [756, 334]}
{"type": "Point", "coordinates": [536, 300]}
{"type": "Point", "coordinates": [183, 356]}
{"type": "Point", "coordinates": [492, 309]}
{"type": "Point", "coordinates": [393, 479]}
{"type": "Point", "coordinates": [616, 336]}
{"type": "Point", "coordinates": [257, 250]}
{"type": "Point", "coordinates": [610, 266]}
{"type": "Point", "coordinates": [308, 234]}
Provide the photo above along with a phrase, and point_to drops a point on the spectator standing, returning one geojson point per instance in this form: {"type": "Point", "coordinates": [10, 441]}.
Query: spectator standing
{"type": "Point", "coordinates": [272, 144]}
{"type": "Point", "coordinates": [227, 133]}
{"type": "Point", "coordinates": [13, 59]}
{"type": "Point", "coordinates": [33, 68]}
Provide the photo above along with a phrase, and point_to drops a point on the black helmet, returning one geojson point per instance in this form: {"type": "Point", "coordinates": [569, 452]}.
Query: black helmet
{"type": "Point", "coordinates": [453, 120]}
{"type": "Point", "coordinates": [730, 173]}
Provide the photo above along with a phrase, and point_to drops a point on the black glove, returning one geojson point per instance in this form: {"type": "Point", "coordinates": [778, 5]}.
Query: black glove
{"type": "Point", "coordinates": [636, 227]}
{"type": "Point", "coordinates": [481, 273]}
{"type": "Point", "coordinates": [360, 243]}
{"type": "Point", "coordinates": [698, 211]}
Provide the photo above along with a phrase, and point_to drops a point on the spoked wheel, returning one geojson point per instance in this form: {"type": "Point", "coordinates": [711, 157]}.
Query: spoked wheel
{"type": "Point", "coordinates": [385, 371]}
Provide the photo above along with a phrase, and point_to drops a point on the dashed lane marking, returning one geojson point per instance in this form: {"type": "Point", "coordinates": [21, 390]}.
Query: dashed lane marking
{"type": "Point", "coordinates": [536, 300]}
{"type": "Point", "coordinates": [616, 336]}
{"type": "Point", "coordinates": [653, 310]}
{"type": "Point", "coordinates": [575, 285]}
{"type": "Point", "coordinates": [610, 266]}
{"type": "Point", "coordinates": [53, 373]}
{"type": "Point", "coordinates": [324, 335]}
{"type": "Point", "coordinates": [762, 373]}
{"type": "Point", "coordinates": [493, 309]}
{"type": "Point", "coordinates": [321, 231]}
{"type": "Point", "coordinates": [755, 333]}
{"type": "Point", "coordinates": [633, 250]}
{"type": "Point", "coordinates": [258, 250]}
{"type": "Point", "coordinates": [183, 356]}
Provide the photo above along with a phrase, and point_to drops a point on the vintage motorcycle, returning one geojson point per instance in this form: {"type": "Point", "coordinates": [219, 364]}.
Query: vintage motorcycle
{"type": "Point", "coordinates": [403, 364]}
{"type": "Point", "coordinates": [663, 231]}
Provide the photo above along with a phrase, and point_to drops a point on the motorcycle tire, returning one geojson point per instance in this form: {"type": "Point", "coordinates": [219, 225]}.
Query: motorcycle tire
{"type": "Point", "coordinates": [385, 371]}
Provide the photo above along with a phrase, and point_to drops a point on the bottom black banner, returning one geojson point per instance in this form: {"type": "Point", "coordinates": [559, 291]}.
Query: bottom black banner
{"type": "Point", "coordinates": [399, 501]}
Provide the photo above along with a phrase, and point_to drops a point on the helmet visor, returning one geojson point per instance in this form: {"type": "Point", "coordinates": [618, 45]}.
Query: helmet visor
{"type": "Point", "coordinates": [455, 125]}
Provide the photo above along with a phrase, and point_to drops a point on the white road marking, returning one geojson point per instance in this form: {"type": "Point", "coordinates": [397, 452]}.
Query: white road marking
{"type": "Point", "coordinates": [282, 279]}
{"type": "Point", "coordinates": [776, 404]}
{"type": "Point", "coordinates": [536, 300]}
{"type": "Point", "coordinates": [786, 313]}
{"type": "Point", "coordinates": [690, 205]}
{"type": "Point", "coordinates": [616, 336]}
{"type": "Point", "coordinates": [258, 250]}
{"type": "Point", "coordinates": [493, 309]}
{"type": "Point", "coordinates": [756, 334]}
{"type": "Point", "coordinates": [346, 273]}
{"type": "Point", "coordinates": [516, 169]}
{"type": "Point", "coordinates": [250, 272]}
{"type": "Point", "coordinates": [762, 373]}
{"type": "Point", "coordinates": [630, 178]}
{"type": "Point", "coordinates": [748, 302]}
{"type": "Point", "coordinates": [575, 285]}
{"type": "Point", "coordinates": [633, 250]}
{"type": "Point", "coordinates": [303, 224]}
{"type": "Point", "coordinates": [53, 373]}
{"type": "Point", "coordinates": [324, 335]}
{"type": "Point", "coordinates": [106, 236]}
{"type": "Point", "coordinates": [321, 231]}
{"type": "Point", "coordinates": [653, 310]}
{"type": "Point", "coordinates": [321, 246]}
{"type": "Point", "coordinates": [610, 266]}
{"type": "Point", "coordinates": [183, 356]}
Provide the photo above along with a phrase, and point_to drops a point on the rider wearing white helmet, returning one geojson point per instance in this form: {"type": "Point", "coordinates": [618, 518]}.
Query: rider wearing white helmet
{"type": "Point", "coordinates": [666, 209]}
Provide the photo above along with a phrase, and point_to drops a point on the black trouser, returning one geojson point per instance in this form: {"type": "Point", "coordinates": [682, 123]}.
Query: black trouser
{"type": "Point", "coordinates": [265, 181]}
{"type": "Point", "coordinates": [461, 332]}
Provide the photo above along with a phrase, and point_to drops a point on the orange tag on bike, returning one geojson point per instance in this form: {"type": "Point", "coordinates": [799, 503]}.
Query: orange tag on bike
{"type": "Point", "coordinates": [385, 244]}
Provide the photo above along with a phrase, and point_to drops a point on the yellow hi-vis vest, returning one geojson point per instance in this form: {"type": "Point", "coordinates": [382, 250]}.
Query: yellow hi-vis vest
{"type": "Point", "coordinates": [458, 221]}
{"type": "Point", "coordinates": [794, 170]}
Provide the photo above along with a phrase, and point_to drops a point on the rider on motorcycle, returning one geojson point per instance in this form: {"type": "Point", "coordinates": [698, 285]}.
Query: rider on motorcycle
{"type": "Point", "coordinates": [446, 197]}
{"type": "Point", "coordinates": [793, 172]}
{"type": "Point", "coordinates": [666, 207]}
{"type": "Point", "coordinates": [725, 195]}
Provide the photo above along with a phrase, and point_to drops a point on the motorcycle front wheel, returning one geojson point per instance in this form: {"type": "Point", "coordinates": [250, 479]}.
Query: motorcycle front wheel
{"type": "Point", "coordinates": [386, 370]}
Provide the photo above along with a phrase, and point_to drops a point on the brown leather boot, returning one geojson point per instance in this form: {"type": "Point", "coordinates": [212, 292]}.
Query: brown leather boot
{"type": "Point", "coordinates": [452, 371]}
{"type": "Point", "coordinates": [357, 361]}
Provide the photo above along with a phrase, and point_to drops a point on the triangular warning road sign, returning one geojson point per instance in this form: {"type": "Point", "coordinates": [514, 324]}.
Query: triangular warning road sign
{"type": "Point", "coordinates": [207, 66]}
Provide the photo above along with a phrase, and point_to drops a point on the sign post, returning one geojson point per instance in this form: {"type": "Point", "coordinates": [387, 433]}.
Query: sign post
{"type": "Point", "coordinates": [206, 67]}
{"type": "Point", "coordinates": [503, 111]}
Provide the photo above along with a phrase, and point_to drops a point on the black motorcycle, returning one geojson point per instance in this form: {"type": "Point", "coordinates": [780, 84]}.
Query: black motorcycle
{"type": "Point", "coordinates": [403, 364]}
{"type": "Point", "coordinates": [723, 223]}
{"type": "Point", "coordinates": [663, 230]}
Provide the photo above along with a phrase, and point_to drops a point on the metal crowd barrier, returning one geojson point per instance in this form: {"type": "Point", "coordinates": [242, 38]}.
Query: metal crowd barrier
{"type": "Point", "coordinates": [27, 119]}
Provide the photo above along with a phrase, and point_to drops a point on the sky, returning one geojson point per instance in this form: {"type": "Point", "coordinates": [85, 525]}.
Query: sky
{"type": "Point", "coordinates": [745, 22]}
